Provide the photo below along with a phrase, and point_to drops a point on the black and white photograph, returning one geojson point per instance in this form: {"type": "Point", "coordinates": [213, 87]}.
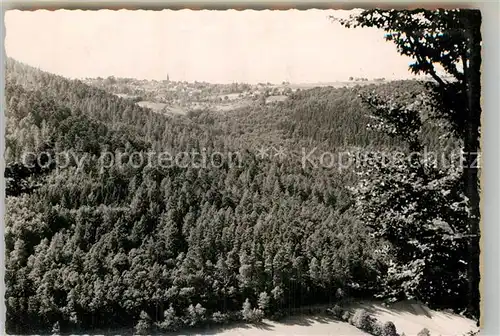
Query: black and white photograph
{"type": "Point", "coordinates": [243, 172]}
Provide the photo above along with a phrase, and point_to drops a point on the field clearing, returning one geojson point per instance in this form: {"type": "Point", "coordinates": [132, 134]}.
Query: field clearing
{"type": "Point", "coordinates": [157, 107]}
{"type": "Point", "coordinates": [225, 107]}
{"type": "Point", "coordinates": [296, 326]}
{"type": "Point", "coordinates": [279, 98]}
{"type": "Point", "coordinates": [151, 105]}
{"type": "Point", "coordinates": [230, 96]}
{"type": "Point", "coordinates": [125, 96]}
{"type": "Point", "coordinates": [409, 317]}
{"type": "Point", "coordinates": [176, 110]}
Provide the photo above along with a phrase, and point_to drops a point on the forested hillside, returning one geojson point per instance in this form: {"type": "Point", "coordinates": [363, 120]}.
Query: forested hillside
{"type": "Point", "coordinates": [91, 246]}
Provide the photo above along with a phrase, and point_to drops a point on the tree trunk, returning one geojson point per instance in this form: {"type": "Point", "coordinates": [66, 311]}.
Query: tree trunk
{"type": "Point", "coordinates": [471, 149]}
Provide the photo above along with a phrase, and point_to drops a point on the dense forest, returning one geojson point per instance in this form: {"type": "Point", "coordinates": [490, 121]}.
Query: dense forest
{"type": "Point", "coordinates": [160, 248]}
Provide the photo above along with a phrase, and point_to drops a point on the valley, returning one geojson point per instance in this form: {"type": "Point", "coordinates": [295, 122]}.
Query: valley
{"type": "Point", "coordinates": [183, 246]}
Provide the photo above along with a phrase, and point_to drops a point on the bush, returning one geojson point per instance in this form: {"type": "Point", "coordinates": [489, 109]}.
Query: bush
{"type": "Point", "coordinates": [56, 329]}
{"type": "Point", "coordinates": [220, 318]}
{"type": "Point", "coordinates": [257, 315]}
{"type": "Point", "coordinates": [376, 328]}
{"type": "Point", "coordinates": [337, 311]}
{"type": "Point", "coordinates": [246, 311]}
{"type": "Point", "coordinates": [254, 315]}
{"type": "Point", "coordinates": [277, 294]}
{"type": "Point", "coordinates": [362, 320]}
{"type": "Point", "coordinates": [263, 301]}
{"type": "Point", "coordinates": [143, 327]}
{"type": "Point", "coordinates": [195, 314]}
{"type": "Point", "coordinates": [346, 316]}
{"type": "Point", "coordinates": [370, 324]}
{"type": "Point", "coordinates": [424, 332]}
{"type": "Point", "coordinates": [170, 320]}
{"type": "Point", "coordinates": [249, 314]}
{"type": "Point", "coordinates": [389, 329]}
{"type": "Point", "coordinates": [473, 333]}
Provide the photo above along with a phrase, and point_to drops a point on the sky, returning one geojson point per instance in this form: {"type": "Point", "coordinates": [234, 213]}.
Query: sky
{"type": "Point", "coordinates": [213, 46]}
